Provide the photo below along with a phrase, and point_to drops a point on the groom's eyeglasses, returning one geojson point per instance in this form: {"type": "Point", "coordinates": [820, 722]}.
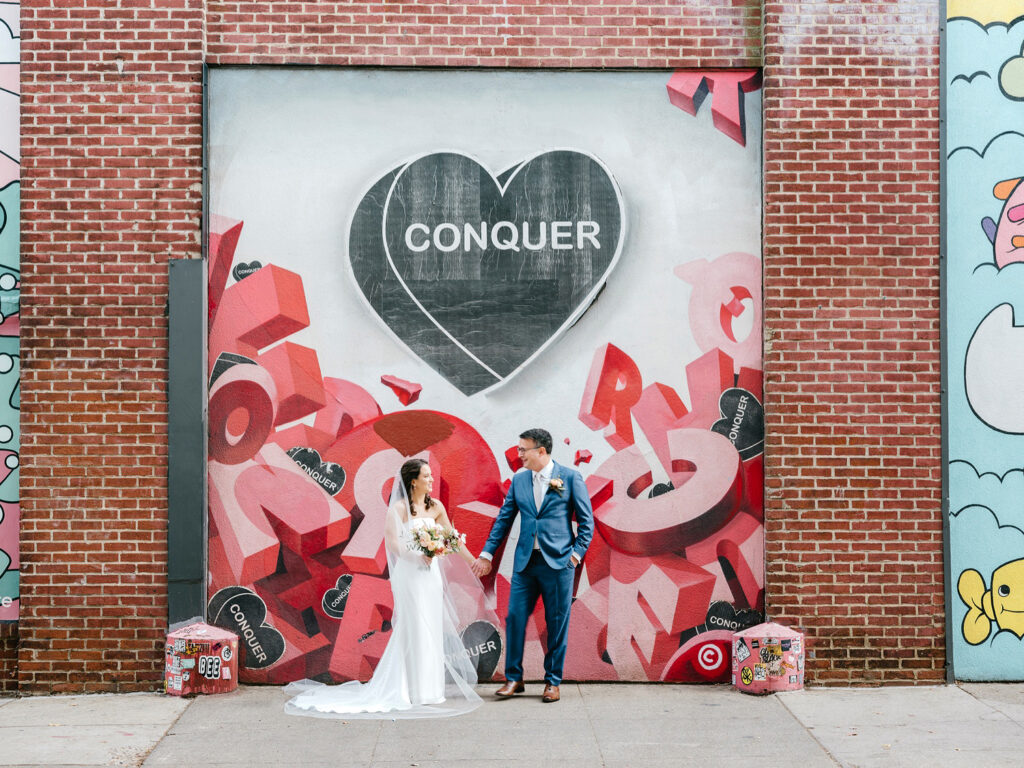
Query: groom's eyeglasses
{"type": "Point", "coordinates": [522, 450]}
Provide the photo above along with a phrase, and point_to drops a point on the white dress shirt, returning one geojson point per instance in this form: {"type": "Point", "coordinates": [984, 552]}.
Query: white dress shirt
{"type": "Point", "coordinates": [540, 487]}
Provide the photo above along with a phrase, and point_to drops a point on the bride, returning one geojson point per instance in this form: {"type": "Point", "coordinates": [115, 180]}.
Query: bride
{"type": "Point", "coordinates": [424, 670]}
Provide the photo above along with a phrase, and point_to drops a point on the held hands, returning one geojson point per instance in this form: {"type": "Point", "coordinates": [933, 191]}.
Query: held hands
{"type": "Point", "coordinates": [482, 566]}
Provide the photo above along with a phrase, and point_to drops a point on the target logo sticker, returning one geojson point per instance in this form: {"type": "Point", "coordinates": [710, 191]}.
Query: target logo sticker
{"type": "Point", "coordinates": [711, 658]}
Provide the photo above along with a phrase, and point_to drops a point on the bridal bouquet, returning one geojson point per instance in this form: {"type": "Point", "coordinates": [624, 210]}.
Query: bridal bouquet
{"type": "Point", "coordinates": [432, 540]}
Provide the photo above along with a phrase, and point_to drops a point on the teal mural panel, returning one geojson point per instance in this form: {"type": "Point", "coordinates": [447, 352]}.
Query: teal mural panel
{"type": "Point", "coordinates": [984, 344]}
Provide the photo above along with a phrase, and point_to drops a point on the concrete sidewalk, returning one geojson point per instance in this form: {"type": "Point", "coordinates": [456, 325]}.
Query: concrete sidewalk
{"type": "Point", "coordinates": [975, 725]}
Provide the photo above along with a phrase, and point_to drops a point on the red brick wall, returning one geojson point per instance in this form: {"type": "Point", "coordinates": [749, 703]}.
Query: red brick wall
{"type": "Point", "coordinates": [854, 529]}
{"type": "Point", "coordinates": [490, 33]}
{"type": "Point", "coordinates": [8, 659]}
{"type": "Point", "coordinates": [111, 189]}
{"type": "Point", "coordinates": [111, 171]}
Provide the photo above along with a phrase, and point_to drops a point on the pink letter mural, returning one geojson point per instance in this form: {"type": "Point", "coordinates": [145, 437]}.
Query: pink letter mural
{"type": "Point", "coordinates": [400, 268]}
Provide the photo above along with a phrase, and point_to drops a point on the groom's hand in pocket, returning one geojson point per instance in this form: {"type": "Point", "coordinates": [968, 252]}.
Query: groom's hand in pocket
{"type": "Point", "coordinates": [573, 560]}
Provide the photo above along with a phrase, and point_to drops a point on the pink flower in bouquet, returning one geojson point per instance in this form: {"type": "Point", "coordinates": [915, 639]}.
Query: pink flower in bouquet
{"type": "Point", "coordinates": [432, 540]}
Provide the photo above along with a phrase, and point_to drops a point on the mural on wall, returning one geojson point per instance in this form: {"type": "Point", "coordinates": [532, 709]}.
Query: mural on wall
{"type": "Point", "coordinates": [10, 291]}
{"type": "Point", "coordinates": [984, 349]}
{"type": "Point", "coordinates": [400, 268]}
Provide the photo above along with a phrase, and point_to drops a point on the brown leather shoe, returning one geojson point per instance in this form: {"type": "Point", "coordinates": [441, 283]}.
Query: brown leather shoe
{"type": "Point", "coordinates": [550, 694]}
{"type": "Point", "coordinates": [510, 689]}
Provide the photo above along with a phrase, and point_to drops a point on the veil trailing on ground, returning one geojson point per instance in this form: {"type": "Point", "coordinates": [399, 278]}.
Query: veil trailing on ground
{"type": "Point", "coordinates": [426, 670]}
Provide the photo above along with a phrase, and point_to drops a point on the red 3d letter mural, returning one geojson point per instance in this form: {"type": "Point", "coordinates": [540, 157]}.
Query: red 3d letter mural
{"type": "Point", "coordinates": [399, 267]}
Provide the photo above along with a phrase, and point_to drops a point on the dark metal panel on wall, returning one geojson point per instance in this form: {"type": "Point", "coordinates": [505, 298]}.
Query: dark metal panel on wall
{"type": "Point", "coordinates": [186, 432]}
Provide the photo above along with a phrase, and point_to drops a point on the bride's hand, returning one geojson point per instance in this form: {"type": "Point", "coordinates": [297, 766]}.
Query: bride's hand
{"type": "Point", "coordinates": [426, 560]}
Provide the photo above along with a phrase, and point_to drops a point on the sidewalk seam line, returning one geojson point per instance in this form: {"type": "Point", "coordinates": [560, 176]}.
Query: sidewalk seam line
{"type": "Point", "coordinates": [807, 730]}
{"type": "Point", "coordinates": [167, 730]}
{"type": "Point", "coordinates": [991, 706]}
{"type": "Point", "coordinates": [376, 741]}
{"type": "Point", "coordinates": [590, 722]}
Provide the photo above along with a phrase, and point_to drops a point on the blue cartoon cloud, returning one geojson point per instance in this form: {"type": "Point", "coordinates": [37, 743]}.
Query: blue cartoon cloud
{"type": "Point", "coordinates": [1002, 494]}
{"type": "Point", "coordinates": [975, 57]}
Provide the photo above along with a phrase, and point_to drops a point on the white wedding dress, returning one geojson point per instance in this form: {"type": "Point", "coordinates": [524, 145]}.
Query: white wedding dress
{"type": "Point", "coordinates": [424, 670]}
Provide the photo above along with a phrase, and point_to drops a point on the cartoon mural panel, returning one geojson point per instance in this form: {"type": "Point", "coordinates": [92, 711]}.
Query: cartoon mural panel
{"type": "Point", "coordinates": [984, 350]}
{"type": "Point", "coordinates": [426, 264]}
{"type": "Point", "coordinates": [10, 291]}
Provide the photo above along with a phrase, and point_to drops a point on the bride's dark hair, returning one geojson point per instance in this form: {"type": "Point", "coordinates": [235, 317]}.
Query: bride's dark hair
{"type": "Point", "coordinates": [410, 471]}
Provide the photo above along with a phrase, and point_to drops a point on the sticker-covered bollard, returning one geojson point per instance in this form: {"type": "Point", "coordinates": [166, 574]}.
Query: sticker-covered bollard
{"type": "Point", "coordinates": [768, 658]}
{"type": "Point", "coordinates": [200, 658]}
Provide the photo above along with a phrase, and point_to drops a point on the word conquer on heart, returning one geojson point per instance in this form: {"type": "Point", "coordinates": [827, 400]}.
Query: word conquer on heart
{"type": "Point", "coordinates": [503, 235]}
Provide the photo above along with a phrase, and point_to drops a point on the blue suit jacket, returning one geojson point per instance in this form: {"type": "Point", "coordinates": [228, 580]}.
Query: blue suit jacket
{"type": "Point", "coordinates": [551, 524]}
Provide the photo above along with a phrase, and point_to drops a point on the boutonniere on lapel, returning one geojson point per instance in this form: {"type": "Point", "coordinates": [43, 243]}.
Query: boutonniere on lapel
{"type": "Point", "coordinates": [555, 484]}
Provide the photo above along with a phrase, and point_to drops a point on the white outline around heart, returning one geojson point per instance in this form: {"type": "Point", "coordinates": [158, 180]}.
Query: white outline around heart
{"type": "Point", "coordinates": [582, 307]}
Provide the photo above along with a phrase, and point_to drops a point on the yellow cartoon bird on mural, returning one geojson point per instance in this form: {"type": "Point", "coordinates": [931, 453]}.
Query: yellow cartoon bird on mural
{"type": "Point", "coordinates": [1003, 604]}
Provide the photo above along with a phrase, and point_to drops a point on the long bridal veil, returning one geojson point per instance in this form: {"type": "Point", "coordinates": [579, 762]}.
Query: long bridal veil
{"type": "Point", "coordinates": [425, 670]}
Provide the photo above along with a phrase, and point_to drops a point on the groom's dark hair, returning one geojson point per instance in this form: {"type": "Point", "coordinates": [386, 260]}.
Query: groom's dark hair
{"type": "Point", "coordinates": [540, 436]}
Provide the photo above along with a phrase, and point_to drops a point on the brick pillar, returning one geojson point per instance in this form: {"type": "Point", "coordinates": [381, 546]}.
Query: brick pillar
{"type": "Point", "coordinates": [851, 152]}
{"type": "Point", "coordinates": [111, 189]}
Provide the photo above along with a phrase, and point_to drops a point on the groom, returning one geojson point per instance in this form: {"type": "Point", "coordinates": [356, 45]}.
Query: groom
{"type": "Point", "coordinates": [546, 497]}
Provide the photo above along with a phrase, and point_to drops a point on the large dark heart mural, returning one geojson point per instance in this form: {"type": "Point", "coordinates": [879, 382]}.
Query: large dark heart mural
{"type": "Point", "coordinates": [477, 274]}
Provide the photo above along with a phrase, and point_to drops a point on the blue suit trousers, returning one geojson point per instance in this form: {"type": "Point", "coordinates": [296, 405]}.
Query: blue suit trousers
{"type": "Point", "coordinates": [538, 579]}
